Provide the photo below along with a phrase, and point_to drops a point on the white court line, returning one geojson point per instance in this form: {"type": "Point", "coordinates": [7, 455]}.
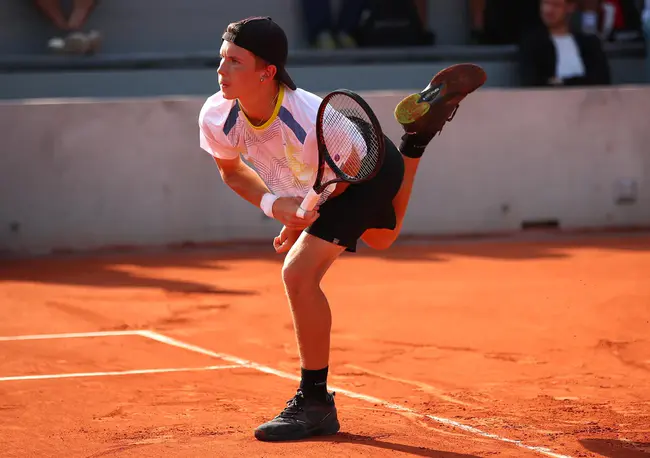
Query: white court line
{"type": "Point", "coordinates": [70, 335]}
{"type": "Point", "coordinates": [351, 394]}
{"type": "Point", "coordinates": [104, 374]}
{"type": "Point", "coordinates": [422, 386]}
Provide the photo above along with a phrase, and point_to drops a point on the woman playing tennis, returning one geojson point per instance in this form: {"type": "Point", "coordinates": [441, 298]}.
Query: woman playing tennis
{"type": "Point", "coordinates": [262, 116]}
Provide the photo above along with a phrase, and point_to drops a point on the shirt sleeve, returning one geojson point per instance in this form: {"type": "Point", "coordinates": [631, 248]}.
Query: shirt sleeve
{"type": "Point", "coordinates": [217, 145]}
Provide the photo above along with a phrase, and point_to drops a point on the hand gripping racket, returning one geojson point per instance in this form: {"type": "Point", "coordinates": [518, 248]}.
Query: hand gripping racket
{"type": "Point", "coordinates": [350, 142]}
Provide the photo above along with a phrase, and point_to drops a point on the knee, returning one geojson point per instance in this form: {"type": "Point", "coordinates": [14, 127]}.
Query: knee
{"type": "Point", "coordinates": [381, 244]}
{"type": "Point", "coordinates": [379, 240]}
{"type": "Point", "coordinates": [298, 277]}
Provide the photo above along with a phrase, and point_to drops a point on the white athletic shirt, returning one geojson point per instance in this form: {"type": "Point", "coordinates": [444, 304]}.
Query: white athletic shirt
{"type": "Point", "coordinates": [569, 61]}
{"type": "Point", "coordinates": [283, 151]}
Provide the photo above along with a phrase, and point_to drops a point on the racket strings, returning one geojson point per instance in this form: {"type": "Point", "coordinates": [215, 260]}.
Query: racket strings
{"type": "Point", "coordinates": [350, 138]}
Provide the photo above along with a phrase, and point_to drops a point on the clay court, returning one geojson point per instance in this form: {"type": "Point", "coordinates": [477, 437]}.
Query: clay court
{"type": "Point", "coordinates": [453, 349]}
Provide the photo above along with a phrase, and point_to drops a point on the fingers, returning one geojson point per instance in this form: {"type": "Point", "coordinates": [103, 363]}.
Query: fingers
{"type": "Point", "coordinates": [281, 239]}
{"type": "Point", "coordinates": [297, 223]}
{"type": "Point", "coordinates": [285, 240]}
{"type": "Point", "coordinates": [309, 217]}
{"type": "Point", "coordinates": [283, 248]}
{"type": "Point", "coordinates": [285, 211]}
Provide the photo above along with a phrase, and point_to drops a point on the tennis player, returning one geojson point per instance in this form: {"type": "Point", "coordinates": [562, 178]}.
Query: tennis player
{"type": "Point", "coordinates": [262, 116]}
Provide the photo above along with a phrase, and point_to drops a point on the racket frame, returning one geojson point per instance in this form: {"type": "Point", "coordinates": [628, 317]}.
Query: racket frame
{"type": "Point", "coordinates": [311, 199]}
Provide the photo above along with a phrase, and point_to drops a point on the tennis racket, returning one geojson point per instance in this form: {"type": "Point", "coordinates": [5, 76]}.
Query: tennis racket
{"type": "Point", "coordinates": [350, 144]}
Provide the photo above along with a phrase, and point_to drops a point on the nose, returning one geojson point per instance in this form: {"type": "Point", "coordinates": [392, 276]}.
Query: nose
{"type": "Point", "coordinates": [221, 70]}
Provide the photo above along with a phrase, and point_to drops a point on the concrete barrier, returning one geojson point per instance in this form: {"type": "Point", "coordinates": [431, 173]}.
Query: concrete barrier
{"type": "Point", "coordinates": [83, 175]}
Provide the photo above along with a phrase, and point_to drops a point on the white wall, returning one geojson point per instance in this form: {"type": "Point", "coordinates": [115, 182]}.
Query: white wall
{"type": "Point", "coordinates": [90, 174]}
{"type": "Point", "coordinates": [543, 154]}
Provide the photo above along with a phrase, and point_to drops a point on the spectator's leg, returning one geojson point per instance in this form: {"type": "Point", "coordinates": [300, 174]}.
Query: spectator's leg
{"type": "Point", "coordinates": [80, 42]}
{"type": "Point", "coordinates": [477, 13]}
{"type": "Point", "coordinates": [428, 37]}
{"type": "Point", "coordinates": [318, 22]}
{"type": "Point", "coordinates": [82, 9]}
{"type": "Point", "coordinates": [421, 6]}
{"type": "Point", "coordinates": [477, 17]}
{"type": "Point", "coordinates": [52, 9]}
{"type": "Point", "coordinates": [348, 21]}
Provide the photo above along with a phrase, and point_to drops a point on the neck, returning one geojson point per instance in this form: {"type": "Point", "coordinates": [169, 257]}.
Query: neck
{"type": "Point", "coordinates": [259, 106]}
{"type": "Point", "coordinates": [560, 29]}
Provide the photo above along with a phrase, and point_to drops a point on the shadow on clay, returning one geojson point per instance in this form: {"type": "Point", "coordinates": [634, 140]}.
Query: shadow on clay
{"type": "Point", "coordinates": [370, 441]}
{"type": "Point", "coordinates": [612, 448]}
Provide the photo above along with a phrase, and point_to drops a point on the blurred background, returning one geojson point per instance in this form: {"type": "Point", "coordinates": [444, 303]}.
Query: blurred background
{"type": "Point", "coordinates": [99, 101]}
{"type": "Point", "coordinates": [130, 48]}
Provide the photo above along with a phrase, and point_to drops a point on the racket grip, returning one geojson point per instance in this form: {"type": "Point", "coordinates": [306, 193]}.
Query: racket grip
{"type": "Point", "coordinates": [308, 203]}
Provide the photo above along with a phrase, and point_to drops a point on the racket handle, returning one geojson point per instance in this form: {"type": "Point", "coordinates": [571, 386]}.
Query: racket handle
{"type": "Point", "coordinates": [308, 203]}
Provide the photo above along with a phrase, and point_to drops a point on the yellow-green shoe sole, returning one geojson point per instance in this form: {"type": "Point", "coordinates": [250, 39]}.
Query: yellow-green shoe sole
{"type": "Point", "coordinates": [410, 110]}
{"type": "Point", "coordinates": [457, 82]}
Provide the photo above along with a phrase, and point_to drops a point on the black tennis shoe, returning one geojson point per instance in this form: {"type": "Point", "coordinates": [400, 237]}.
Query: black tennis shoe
{"type": "Point", "coordinates": [302, 418]}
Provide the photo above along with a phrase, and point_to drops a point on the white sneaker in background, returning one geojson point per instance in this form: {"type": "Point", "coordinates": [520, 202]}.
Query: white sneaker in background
{"type": "Point", "coordinates": [76, 43]}
{"type": "Point", "coordinates": [56, 44]}
{"type": "Point", "coordinates": [94, 41]}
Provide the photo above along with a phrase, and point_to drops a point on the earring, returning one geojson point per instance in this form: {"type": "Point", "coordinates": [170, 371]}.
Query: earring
{"type": "Point", "coordinates": [262, 79]}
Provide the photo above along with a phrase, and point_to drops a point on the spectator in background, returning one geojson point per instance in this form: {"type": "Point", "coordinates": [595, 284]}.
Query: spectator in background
{"type": "Point", "coordinates": [367, 23]}
{"type": "Point", "coordinates": [75, 41]}
{"type": "Point", "coordinates": [323, 32]}
{"type": "Point", "coordinates": [611, 20]}
{"type": "Point", "coordinates": [395, 23]}
{"type": "Point", "coordinates": [500, 22]}
{"type": "Point", "coordinates": [553, 56]}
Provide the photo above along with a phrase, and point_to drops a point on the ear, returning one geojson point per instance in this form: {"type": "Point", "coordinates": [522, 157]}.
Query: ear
{"type": "Point", "coordinates": [269, 72]}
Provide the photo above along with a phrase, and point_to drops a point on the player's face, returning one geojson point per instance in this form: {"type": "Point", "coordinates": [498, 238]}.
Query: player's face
{"type": "Point", "coordinates": [238, 71]}
{"type": "Point", "coordinates": [554, 12]}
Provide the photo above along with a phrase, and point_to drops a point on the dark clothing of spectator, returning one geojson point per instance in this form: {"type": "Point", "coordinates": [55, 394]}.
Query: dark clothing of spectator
{"type": "Point", "coordinates": [542, 57]}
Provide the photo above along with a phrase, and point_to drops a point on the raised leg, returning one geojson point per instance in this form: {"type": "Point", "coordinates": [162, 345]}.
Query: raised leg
{"type": "Point", "coordinates": [381, 239]}
{"type": "Point", "coordinates": [423, 115]}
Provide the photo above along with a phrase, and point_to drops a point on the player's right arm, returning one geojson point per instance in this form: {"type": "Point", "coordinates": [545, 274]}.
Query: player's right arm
{"type": "Point", "coordinates": [245, 182]}
{"type": "Point", "coordinates": [242, 179]}
{"type": "Point", "coordinates": [239, 176]}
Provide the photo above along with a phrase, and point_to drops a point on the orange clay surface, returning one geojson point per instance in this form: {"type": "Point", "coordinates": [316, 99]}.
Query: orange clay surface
{"type": "Point", "coordinates": [542, 341]}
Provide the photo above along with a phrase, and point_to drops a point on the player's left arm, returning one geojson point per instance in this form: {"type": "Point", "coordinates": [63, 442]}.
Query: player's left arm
{"type": "Point", "coordinates": [285, 240]}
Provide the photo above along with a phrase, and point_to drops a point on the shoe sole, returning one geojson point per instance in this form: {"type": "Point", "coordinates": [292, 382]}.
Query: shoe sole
{"type": "Point", "coordinates": [456, 82]}
{"type": "Point", "coordinates": [328, 430]}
